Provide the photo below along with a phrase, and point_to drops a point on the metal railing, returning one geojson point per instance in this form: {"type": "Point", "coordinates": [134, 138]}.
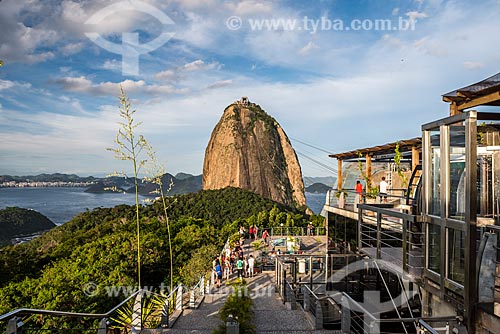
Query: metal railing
{"type": "Point", "coordinates": [392, 235]}
{"type": "Point", "coordinates": [357, 319]}
{"type": "Point", "coordinates": [393, 195]}
{"type": "Point", "coordinates": [172, 305]}
{"type": "Point", "coordinates": [299, 280]}
{"type": "Point", "coordinates": [294, 231]}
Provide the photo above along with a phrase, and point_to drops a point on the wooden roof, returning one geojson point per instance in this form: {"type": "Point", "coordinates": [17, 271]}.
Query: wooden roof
{"type": "Point", "coordinates": [485, 92]}
{"type": "Point", "coordinates": [381, 150]}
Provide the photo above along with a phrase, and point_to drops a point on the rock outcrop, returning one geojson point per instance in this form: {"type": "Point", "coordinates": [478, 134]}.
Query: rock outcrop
{"type": "Point", "coordinates": [248, 149]}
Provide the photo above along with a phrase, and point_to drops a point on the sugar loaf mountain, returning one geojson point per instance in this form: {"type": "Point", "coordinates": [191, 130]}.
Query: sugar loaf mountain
{"type": "Point", "coordinates": [248, 149]}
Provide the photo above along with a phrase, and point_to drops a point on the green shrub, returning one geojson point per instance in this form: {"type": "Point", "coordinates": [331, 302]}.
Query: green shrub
{"type": "Point", "coordinates": [240, 306]}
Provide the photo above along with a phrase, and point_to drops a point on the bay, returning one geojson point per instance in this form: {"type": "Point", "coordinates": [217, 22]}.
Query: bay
{"type": "Point", "coordinates": [62, 203]}
{"type": "Point", "coordinates": [315, 202]}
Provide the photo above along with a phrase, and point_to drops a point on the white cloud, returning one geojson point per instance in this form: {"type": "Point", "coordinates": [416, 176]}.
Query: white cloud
{"type": "Point", "coordinates": [7, 84]}
{"type": "Point", "coordinates": [166, 75]}
{"type": "Point", "coordinates": [250, 7]}
{"type": "Point", "coordinates": [112, 65]}
{"type": "Point", "coordinates": [473, 65]}
{"type": "Point", "coordinates": [83, 85]}
{"type": "Point", "coordinates": [199, 65]}
{"type": "Point", "coordinates": [220, 84]}
{"type": "Point", "coordinates": [308, 48]}
{"type": "Point", "coordinates": [395, 11]}
{"type": "Point", "coordinates": [71, 48]}
{"type": "Point", "coordinates": [414, 15]}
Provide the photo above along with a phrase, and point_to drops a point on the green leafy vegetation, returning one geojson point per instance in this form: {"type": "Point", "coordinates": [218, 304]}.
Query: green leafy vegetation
{"type": "Point", "coordinates": [240, 306]}
{"type": "Point", "coordinates": [17, 222]}
{"type": "Point", "coordinates": [53, 271]}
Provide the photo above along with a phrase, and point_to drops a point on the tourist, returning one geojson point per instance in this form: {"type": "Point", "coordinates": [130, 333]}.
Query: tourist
{"type": "Point", "coordinates": [310, 229]}
{"type": "Point", "coordinates": [239, 268]}
{"type": "Point", "coordinates": [218, 272]}
{"type": "Point", "coordinates": [250, 231]}
{"type": "Point", "coordinates": [265, 235]}
{"type": "Point", "coordinates": [255, 232]}
{"type": "Point", "coordinates": [245, 266]}
{"type": "Point", "coordinates": [251, 264]}
{"type": "Point", "coordinates": [227, 268]}
{"type": "Point", "coordinates": [359, 192]}
{"type": "Point", "coordinates": [383, 190]}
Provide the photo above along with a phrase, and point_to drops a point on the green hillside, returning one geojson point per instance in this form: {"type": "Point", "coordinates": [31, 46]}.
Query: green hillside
{"type": "Point", "coordinates": [19, 222]}
{"type": "Point", "coordinates": [53, 271]}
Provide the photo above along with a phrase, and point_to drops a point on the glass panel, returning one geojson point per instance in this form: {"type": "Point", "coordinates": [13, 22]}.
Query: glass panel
{"type": "Point", "coordinates": [435, 179]}
{"type": "Point", "coordinates": [456, 255]}
{"type": "Point", "coordinates": [488, 170]}
{"type": "Point", "coordinates": [433, 248]}
{"type": "Point", "coordinates": [456, 206]}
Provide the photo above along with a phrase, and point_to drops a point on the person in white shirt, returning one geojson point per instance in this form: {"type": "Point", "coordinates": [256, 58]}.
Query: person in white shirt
{"type": "Point", "coordinates": [383, 190]}
{"type": "Point", "coordinates": [251, 263]}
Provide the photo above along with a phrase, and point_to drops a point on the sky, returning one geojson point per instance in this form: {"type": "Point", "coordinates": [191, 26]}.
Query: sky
{"type": "Point", "coordinates": [333, 73]}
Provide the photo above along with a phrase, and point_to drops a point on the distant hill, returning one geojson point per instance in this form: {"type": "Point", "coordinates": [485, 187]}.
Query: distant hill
{"type": "Point", "coordinates": [183, 176]}
{"type": "Point", "coordinates": [102, 188]}
{"type": "Point", "coordinates": [327, 180]}
{"type": "Point", "coordinates": [318, 188]}
{"type": "Point", "coordinates": [16, 221]}
{"type": "Point", "coordinates": [56, 177]}
{"type": "Point", "coordinates": [187, 184]}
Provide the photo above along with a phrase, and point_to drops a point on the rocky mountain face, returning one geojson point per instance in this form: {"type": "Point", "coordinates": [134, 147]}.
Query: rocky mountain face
{"type": "Point", "coordinates": [249, 149]}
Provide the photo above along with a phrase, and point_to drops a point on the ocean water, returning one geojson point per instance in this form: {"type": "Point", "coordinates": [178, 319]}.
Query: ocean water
{"type": "Point", "coordinates": [62, 204]}
{"type": "Point", "coordinates": [315, 202]}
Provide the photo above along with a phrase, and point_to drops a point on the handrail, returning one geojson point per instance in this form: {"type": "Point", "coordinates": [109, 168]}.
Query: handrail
{"type": "Point", "coordinates": [24, 311]}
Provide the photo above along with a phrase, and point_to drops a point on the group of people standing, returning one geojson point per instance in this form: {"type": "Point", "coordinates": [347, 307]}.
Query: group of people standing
{"type": "Point", "coordinates": [382, 190]}
{"type": "Point", "coordinates": [233, 261]}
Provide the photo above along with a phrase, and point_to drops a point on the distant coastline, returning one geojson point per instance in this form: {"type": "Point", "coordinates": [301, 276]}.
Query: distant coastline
{"type": "Point", "coordinates": [14, 184]}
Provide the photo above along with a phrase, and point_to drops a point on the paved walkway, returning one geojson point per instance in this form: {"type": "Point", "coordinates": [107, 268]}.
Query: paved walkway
{"type": "Point", "coordinates": [270, 314]}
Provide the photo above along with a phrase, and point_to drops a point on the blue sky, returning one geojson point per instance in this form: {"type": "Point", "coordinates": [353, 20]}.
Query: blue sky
{"type": "Point", "coordinates": [338, 89]}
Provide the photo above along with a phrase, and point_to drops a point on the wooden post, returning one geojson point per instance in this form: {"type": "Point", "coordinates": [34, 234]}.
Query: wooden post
{"type": "Point", "coordinates": [339, 174]}
{"type": "Point", "coordinates": [369, 168]}
{"type": "Point", "coordinates": [454, 109]}
{"type": "Point", "coordinates": [415, 157]}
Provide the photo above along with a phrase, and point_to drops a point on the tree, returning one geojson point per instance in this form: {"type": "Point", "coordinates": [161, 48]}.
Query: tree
{"type": "Point", "coordinates": [130, 148]}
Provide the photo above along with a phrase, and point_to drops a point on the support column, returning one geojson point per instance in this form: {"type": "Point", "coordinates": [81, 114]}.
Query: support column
{"type": "Point", "coordinates": [415, 157]}
{"type": "Point", "coordinates": [339, 174]}
{"type": "Point", "coordinates": [471, 235]}
{"type": "Point", "coordinates": [369, 168]}
{"type": "Point", "coordinates": [454, 109]}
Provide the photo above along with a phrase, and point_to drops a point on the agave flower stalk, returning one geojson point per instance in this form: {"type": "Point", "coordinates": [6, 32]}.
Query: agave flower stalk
{"type": "Point", "coordinates": [130, 147]}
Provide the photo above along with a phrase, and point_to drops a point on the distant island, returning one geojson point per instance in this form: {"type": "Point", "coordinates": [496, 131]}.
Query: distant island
{"type": "Point", "coordinates": [19, 222]}
{"type": "Point", "coordinates": [318, 188]}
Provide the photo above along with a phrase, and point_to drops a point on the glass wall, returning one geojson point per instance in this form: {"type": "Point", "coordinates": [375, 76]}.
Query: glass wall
{"type": "Point", "coordinates": [435, 173]}
{"type": "Point", "coordinates": [456, 204]}
{"type": "Point", "coordinates": [488, 170]}
{"type": "Point", "coordinates": [434, 248]}
{"type": "Point", "coordinates": [456, 255]}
